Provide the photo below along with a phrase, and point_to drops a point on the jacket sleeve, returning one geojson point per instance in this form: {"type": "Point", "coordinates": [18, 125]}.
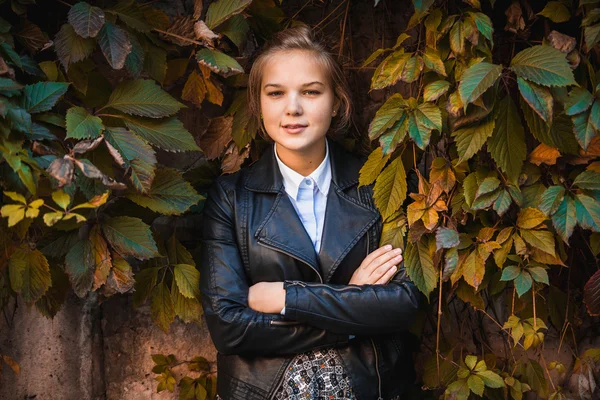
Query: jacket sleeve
{"type": "Point", "coordinates": [354, 309]}
{"type": "Point", "coordinates": [234, 327]}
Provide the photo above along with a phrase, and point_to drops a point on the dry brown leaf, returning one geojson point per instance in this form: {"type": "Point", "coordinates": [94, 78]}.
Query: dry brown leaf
{"type": "Point", "coordinates": [233, 159]}
{"type": "Point", "coordinates": [194, 90]}
{"type": "Point", "coordinates": [562, 42]}
{"type": "Point", "coordinates": [204, 33]}
{"type": "Point", "coordinates": [544, 154]}
{"type": "Point", "coordinates": [213, 92]}
{"type": "Point", "coordinates": [33, 38]}
{"type": "Point", "coordinates": [515, 21]}
{"type": "Point", "coordinates": [574, 59]}
{"type": "Point", "coordinates": [198, 4]}
{"type": "Point", "coordinates": [216, 137]}
{"type": "Point", "coordinates": [184, 27]}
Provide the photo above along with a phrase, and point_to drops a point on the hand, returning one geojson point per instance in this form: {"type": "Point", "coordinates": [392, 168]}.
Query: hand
{"type": "Point", "coordinates": [267, 297]}
{"type": "Point", "coordinates": [378, 267]}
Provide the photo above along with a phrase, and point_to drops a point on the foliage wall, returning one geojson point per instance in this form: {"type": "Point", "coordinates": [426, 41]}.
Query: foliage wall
{"type": "Point", "coordinates": [498, 119]}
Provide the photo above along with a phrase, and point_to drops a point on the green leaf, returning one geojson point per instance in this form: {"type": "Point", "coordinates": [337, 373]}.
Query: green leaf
{"type": "Point", "coordinates": [539, 274]}
{"type": "Point", "coordinates": [115, 45]}
{"type": "Point", "coordinates": [188, 280]}
{"type": "Point", "coordinates": [446, 238]}
{"type": "Point", "coordinates": [584, 129]}
{"type": "Point", "coordinates": [510, 273]}
{"type": "Point", "coordinates": [476, 385]}
{"type": "Point", "coordinates": [536, 378]}
{"type": "Point", "coordinates": [476, 80]}
{"type": "Point", "coordinates": [132, 15]}
{"type": "Point", "coordinates": [169, 194]}
{"type": "Point", "coordinates": [592, 36]}
{"type": "Point", "coordinates": [29, 274]}
{"type": "Point", "coordinates": [220, 10]}
{"type": "Point", "coordinates": [595, 114]}
{"type": "Point", "coordinates": [419, 266]}
{"type": "Point", "coordinates": [81, 125]}
{"type": "Point", "coordinates": [390, 188]}
{"type": "Point", "coordinates": [579, 100]}
{"type": "Point", "coordinates": [523, 282]}
{"type": "Point", "coordinates": [387, 115]}
{"type": "Point", "coordinates": [155, 62]}
{"type": "Point", "coordinates": [51, 302]}
{"type": "Point", "coordinates": [588, 180]}
{"type": "Point", "coordinates": [488, 185]}
{"type": "Point", "coordinates": [161, 306]}
{"type": "Point", "coordinates": [145, 281]}
{"type": "Point", "coordinates": [412, 69]}
{"type": "Point", "coordinates": [435, 90]}
{"type": "Point", "coordinates": [188, 309]}
{"type": "Point", "coordinates": [556, 11]}
{"type": "Point", "coordinates": [372, 167]}
{"type": "Point", "coordinates": [541, 239]}
{"type": "Point", "coordinates": [565, 218]}
{"type": "Point", "coordinates": [543, 65]}
{"type": "Point", "coordinates": [588, 212]}
{"type": "Point", "coordinates": [507, 143]}
{"type": "Point", "coordinates": [218, 62]}
{"type": "Point", "coordinates": [79, 265]}
{"type": "Point", "coordinates": [491, 379]}
{"type": "Point", "coordinates": [551, 199]}
{"type": "Point", "coordinates": [471, 139]}
{"type": "Point", "coordinates": [42, 96]}
{"type": "Point", "coordinates": [86, 20]}
{"type": "Point", "coordinates": [236, 29]}
{"type": "Point", "coordinates": [168, 134]}
{"type": "Point", "coordinates": [457, 38]}
{"type": "Point", "coordinates": [389, 71]}
{"type": "Point", "coordinates": [143, 97]}
{"type": "Point", "coordinates": [130, 237]}
{"type": "Point", "coordinates": [483, 23]}
{"type": "Point", "coordinates": [134, 62]}
{"type": "Point", "coordinates": [502, 203]}
{"type": "Point", "coordinates": [135, 154]}
{"type": "Point", "coordinates": [538, 97]}
{"type": "Point", "coordinates": [432, 60]}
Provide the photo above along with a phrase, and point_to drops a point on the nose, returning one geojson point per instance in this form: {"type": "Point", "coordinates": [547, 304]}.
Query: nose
{"type": "Point", "coordinates": [293, 106]}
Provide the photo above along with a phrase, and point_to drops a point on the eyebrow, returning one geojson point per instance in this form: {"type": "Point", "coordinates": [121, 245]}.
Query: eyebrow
{"type": "Point", "coordinates": [277, 85]}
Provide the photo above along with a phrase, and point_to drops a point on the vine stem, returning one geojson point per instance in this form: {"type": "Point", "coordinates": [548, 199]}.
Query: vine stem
{"type": "Point", "coordinates": [547, 372]}
{"type": "Point", "coordinates": [344, 30]}
{"type": "Point", "coordinates": [534, 311]}
{"type": "Point", "coordinates": [439, 326]}
{"type": "Point", "coordinates": [179, 37]}
{"type": "Point", "coordinates": [328, 15]}
{"type": "Point", "coordinates": [513, 300]}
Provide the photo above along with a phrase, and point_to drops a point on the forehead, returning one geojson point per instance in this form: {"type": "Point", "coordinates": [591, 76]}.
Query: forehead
{"type": "Point", "coordinates": [295, 67]}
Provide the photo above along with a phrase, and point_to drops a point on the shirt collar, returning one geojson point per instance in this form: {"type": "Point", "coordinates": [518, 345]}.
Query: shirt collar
{"type": "Point", "coordinates": [292, 180]}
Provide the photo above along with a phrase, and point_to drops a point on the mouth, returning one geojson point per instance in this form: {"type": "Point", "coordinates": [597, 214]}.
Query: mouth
{"type": "Point", "coordinates": [294, 126]}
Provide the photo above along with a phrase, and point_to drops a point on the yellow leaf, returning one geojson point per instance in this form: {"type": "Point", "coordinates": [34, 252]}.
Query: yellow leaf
{"type": "Point", "coordinates": [213, 93]}
{"type": "Point", "coordinates": [430, 218]}
{"type": "Point", "coordinates": [530, 218]}
{"type": "Point", "coordinates": [94, 202]}
{"type": "Point", "coordinates": [52, 217]}
{"type": "Point", "coordinates": [595, 166]}
{"type": "Point", "coordinates": [36, 203]}
{"type": "Point", "coordinates": [32, 212]}
{"type": "Point", "coordinates": [16, 197]}
{"type": "Point", "coordinates": [544, 154]}
{"type": "Point", "coordinates": [12, 364]}
{"type": "Point", "coordinates": [61, 198]}
{"type": "Point", "coordinates": [415, 211]}
{"type": "Point", "coordinates": [14, 212]}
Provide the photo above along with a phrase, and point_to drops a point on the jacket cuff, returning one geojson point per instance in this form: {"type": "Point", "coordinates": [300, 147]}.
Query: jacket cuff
{"type": "Point", "coordinates": [291, 298]}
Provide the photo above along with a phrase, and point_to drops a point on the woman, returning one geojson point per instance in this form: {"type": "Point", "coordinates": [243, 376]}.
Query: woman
{"type": "Point", "coordinates": [298, 300]}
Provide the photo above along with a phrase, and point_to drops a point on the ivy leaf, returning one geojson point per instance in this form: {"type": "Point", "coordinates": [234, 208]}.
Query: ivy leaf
{"type": "Point", "coordinates": [82, 125]}
{"type": "Point", "coordinates": [115, 44]}
{"type": "Point", "coordinates": [543, 65]}
{"type": "Point", "coordinates": [435, 90]}
{"type": "Point", "coordinates": [221, 10]}
{"type": "Point", "coordinates": [432, 60]}
{"type": "Point", "coordinates": [143, 97]}
{"type": "Point", "coordinates": [419, 266]}
{"type": "Point", "coordinates": [412, 69]}
{"type": "Point", "coordinates": [541, 239]}
{"type": "Point", "coordinates": [491, 379]}
{"type": "Point", "coordinates": [502, 202]}
{"type": "Point", "coordinates": [86, 20]}
{"type": "Point", "coordinates": [102, 262]}
{"type": "Point", "coordinates": [120, 279]}
{"type": "Point", "coordinates": [390, 188]}
{"type": "Point", "coordinates": [70, 47]}
{"type": "Point", "coordinates": [584, 129]}
{"type": "Point", "coordinates": [560, 135]}
{"type": "Point", "coordinates": [29, 274]}
{"type": "Point", "coordinates": [551, 199]}
{"type": "Point", "coordinates": [169, 194]}
{"type": "Point", "coordinates": [476, 80]}
{"type": "Point", "coordinates": [588, 180]}
{"type": "Point", "coordinates": [79, 265]}
{"type": "Point", "coordinates": [595, 115]}
{"type": "Point", "coordinates": [145, 281]}
{"type": "Point", "coordinates": [188, 280]}
{"type": "Point", "coordinates": [133, 153]}
{"type": "Point", "coordinates": [132, 15]}
{"type": "Point", "coordinates": [134, 62]}
{"type": "Point", "coordinates": [523, 282]}
{"type": "Point", "coordinates": [470, 140]}
{"type": "Point", "coordinates": [446, 238]}
{"type": "Point", "coordinates": [507, 143]}
{"type": "Point", "coordinates": [372, 167]}
{"type": "Point", "coordinates": [195, 89]}
{"type": "Point", "coordinates": [588, 212]}
{"type": "Point", "coordinates": [168, 134]}
{"type": "Point", "coordinates": [188, 309]}
{"type": "Point", "coordinates": [539, 274]}
{"type": "Point", "coordinates": [218, 62]}
{"type": "Point", "coordinates": [162, 308]}
{"type": "Point", "coordinates": [538, 97]}
{"type": "Point", "coordinates": [556, 12]}
{"type": "Point", "coordinates": [483, 23]}
{"type": "Point", "coordinates": [530, 218]}
{"type": "Point", "coordinates": [476, 385]}
{"type": "Point", "coordinates": [51, 302]}
{"type": "Point", "coordinates": [579, 100]}
{"type": "Point", "coordinates": [130, 237]}
{"type": "Point", "coordinates": [510, 273]}
{"type": "Point", "coordinates": [389, 71]}
{"type": "Point", "coordinates": [474, 269]}
{"type": "Point", "coordinates": [42, 96]}
{"type": "Point", "coordinates": [457, 38]}
{"type": "Point", "coordinates": [592, 36]}
{"type": "Point", "coordinates": [387, 115]}
{"type": "Point", "coordinates": [591, 294]}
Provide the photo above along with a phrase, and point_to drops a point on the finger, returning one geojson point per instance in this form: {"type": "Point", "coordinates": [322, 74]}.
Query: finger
{"type": "Point", "coordinates": [382, 259]}
{"type": "Point", "coordinates": [387, 276]}
{"type": "Point", "coordinates": [376, 253]}
{"type": "Point", "coordinates": [383, 268]}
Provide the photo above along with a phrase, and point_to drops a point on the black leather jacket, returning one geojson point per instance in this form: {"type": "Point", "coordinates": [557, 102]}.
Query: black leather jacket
{"type": "Point", "coordinates": [251, 233]}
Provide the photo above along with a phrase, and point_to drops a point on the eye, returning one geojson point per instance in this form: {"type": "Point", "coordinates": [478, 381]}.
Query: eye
{"type": "Point", "coordinates": [275, 93]}
{"type": "Point", "coordinates": [312, 92]}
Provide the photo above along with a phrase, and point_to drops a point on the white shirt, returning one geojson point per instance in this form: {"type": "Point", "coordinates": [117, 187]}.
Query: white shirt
{"type": "Point", "coordinates": [308, 195]}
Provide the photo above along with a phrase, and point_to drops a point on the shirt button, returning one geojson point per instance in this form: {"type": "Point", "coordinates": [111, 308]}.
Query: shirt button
{"type": "Point", "coordinates": [308, 182]}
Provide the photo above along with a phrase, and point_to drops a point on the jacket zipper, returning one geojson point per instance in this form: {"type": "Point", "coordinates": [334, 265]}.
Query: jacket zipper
{"type": "Point", "coordinates": [377, 369]}
{"type": "Point", "coordinates": [291, 255]}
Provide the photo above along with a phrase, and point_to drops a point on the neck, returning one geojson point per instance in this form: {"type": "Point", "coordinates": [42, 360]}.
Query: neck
{"type": "Point", "coordinates": [303, 162]}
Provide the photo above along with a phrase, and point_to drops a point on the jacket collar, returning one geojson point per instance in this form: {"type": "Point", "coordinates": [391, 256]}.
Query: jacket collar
{"type": "Point", "coordinates": [264, 175]}
{"type": "Point", "coordinates": [346, 219]}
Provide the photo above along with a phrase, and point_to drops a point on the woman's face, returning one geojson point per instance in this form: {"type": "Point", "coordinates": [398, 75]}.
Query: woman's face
{"type": "Point", "coordinates": [296, 101]}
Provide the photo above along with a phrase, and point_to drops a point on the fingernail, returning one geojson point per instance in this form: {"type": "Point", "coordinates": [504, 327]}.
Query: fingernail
{"type": "Point", "coordinates": [388, 246]}
{"type": "Point", "coordinates": [399, 257]}
{"type": "Point", "coordinates": [398, 250]}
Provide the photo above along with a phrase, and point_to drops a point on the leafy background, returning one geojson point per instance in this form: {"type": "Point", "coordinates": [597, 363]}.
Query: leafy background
{"type": "Point", "coordinates": [115, 117]}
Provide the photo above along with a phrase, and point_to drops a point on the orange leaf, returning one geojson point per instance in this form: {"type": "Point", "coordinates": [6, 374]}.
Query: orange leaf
{"type": "Point", "coordinates": [544, 154]}
{"type": "Point", "coordinates": [194, 90]}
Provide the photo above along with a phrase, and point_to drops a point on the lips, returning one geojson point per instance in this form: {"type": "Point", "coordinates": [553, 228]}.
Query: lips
{"type": "Point", "coordinates": [294, 126]}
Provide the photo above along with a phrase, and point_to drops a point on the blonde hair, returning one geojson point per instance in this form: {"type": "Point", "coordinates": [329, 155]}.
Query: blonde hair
{"type": "Point", "coordinates": [301, 38]}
